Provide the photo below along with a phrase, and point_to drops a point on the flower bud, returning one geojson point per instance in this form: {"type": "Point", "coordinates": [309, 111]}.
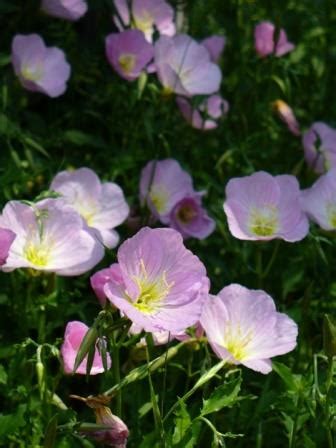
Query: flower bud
{"type": "Point", "coordinates": [329, 336]}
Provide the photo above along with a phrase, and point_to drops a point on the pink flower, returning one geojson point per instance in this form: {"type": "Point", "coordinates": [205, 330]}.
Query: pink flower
{"type": "Point", "coordinates": [147, 16]}
{"type": "Point", "coordinates": [264, 207]}
{"type": "Point", "coordinates": [73, 337]}
{"type": "Point", "coordinates": [319, 201]}
{"type": "Point", "coordinates": [163, 184]}
{"type": "Point", "coordinates": [264, 40]}
{"type": "Point", "coordinates": [215, 46]}
{"type": "Point", "coordinates": [168, 191]}
{"type": "Point", "coordinates": [191, 219]}
{"type": "Point", "coordinates": [101, 204]}
{"type": "Point", "coordinates": [65, 9]}
{"type": "Point", "coordinates": [319, 144]}
{"type": "Point", "coordinates": [207, 115]}
{"type": "Point", "coordinates": [243, 326]}
{"type": "Point", "coordinates": [51, 237]}
{"type": "Point", "coordinates": [6, 240]}
{"type": "Point", "coordinates": [185, 67]}
{"type": "Point", "coordinates": [164, 284]}
{"type": "Point", "coordinates": [128, 53]}
{"type": "Point", "coordinates": [39, 68]}
{"type": "Point", "coordinates": [102, 277]}
{"type": "Point", "coordinates": [286, 114]}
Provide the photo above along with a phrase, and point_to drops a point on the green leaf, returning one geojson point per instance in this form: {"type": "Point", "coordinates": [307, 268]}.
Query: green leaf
{"type": "Point", "coordinates": [286, 375]}
{"type": "Point", "coordinates": [182, 422]}
{"type": "Point", "coordinates": [51, 431]}
{"type": "Point", "coordinates": [3, 375]}
{"type": "Point", "coordinates": [88, 341]}
{"type": "Point", "coordinates": [80, 138]}
{"type": "Point", "coordinates": [10, 423]}
{"type": "Point", "coordinates": [223, 396]}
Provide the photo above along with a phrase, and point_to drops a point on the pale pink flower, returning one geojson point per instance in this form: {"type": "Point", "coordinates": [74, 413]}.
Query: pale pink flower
{"type": "Point", "coordinates": [286, 114]}
{"type": "Point", "coordinates": [73, 337]}
{"type": "Point", "coordinates": [264, 207]}
{"type": "Point", "coordinates": [51, 237]}
{"type": "Point", "coordinates": [65, 9]}
{"type": "Point", "coordinates": [163, 184]}
{"type": "Point", "coordinates": [190, 218]}
{"type": "Point", "coordinates": [208, 113]}
{"type": "Point", "coordinates": [319, 201]}
{"type": "Point", "coordinates": [243, 327]}
{"type": "Point", "coordinates": [146, 16]}
{"type": "Point", "coordinates": [264, 40]}
{"type": "Point", "coordinates": [101, 204]}
{"type": "Point", "coordinates": [129, 53]}
{"type": "Point", "coordinates": [215, 45]}
{"type": "Point", "coordinates": [184, 66]}
{"type": "Point", "coordinates": [6, 240]}
{"type": "Point", "coordinates": [38, 67]}
{"type": "Point", "coordinates": [164, 284]}
{"type": "Point", "coordinates": [319, 143]}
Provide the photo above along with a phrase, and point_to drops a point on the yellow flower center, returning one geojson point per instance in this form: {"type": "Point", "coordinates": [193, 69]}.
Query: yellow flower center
{"type": "Point", "coordinates": [38, 253]}
{"type": "Point", "coordinates": [127, 62]}
{"type": "Point", "coordinates": [264, 221]}
{"type": "Point", "coordinates": [331, 212]}
{"type": "Point", "coordinates": [159, 199]}
{"type": "Point", "coordinates": [87, 210]}
{"type": "Point", "coordinates": [151, 292]}
{"type": "Point", "coordinates": [32, 73]}
{"type": "Point", "coordinates": [236, 342]}
{"type": "Point", "coordinates": [144, 22]}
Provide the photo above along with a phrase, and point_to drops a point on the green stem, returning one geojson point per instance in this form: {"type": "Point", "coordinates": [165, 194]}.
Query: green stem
{"type": "Point", "coordinates": [141, 372]}
{"type": "Point", "coordinates": [272, 259]}
{"type": "Point", "coordinates": [207, 376]}
{"type": "Point", "coordinates": [156, 411]}
{"type": "Point", "coordinates": [116, 370]}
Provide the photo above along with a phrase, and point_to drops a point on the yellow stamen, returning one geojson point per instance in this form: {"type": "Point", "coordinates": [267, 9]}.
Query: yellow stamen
{"type": "Point", "coordinates": [152, 292]}
{"type": "Point", "coordinates": [264, 221]}
{"type": "Point", "coordinates": [237, 343]}
{"type": "Point", "coordinates": [127, 62]}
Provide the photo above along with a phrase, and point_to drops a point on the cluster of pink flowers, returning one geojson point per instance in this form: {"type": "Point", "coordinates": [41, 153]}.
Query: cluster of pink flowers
{"type": "Point", "coordinates": [183, 66]}
{"type": "Point", "coordinates": [163, 289]}
{"type": "Point", "coordinates": [168, 192]}
{"type": "Point", "coordinates": [65, 235]}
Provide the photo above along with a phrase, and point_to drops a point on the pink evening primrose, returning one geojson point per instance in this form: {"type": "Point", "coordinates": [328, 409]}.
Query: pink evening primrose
{"type": "Point", "coordinates": [168, 191]}
{"type": "Point", "coordinates": [264, 207]}
{"type": "Point", "coordinates": [190, 218]}
{"type": "Point", "coordinates": [101, 204]}
{"type": "Point", "coordinates": [146, 16]}
{"type": "Point", "coordinates": [319, 143]}
{"type": "Point", "coordinates": [184, 66]}
{"type": "Point", "coordinates": [129, 53]}
{"type": "Point", "coordinates": [65, 9]}
{"type": "Point", "coordinates": [38, 67]}
{"type": "Point", "coordinates": [243, 327]}
{"type": "Point", "coordinates": [319, 201]}
{"type": "Point", "coordinates": [264, 40]}
{"type": "Point", "coordinates": [164, 285]}
{"type": "Point", "coordinates": [163, 184]}
{"type": "Point", "coordinates": [73, 337]}
{"type": "Point", "coordinates": [50, 237]}
{"type": "Point", "coordinates": [6, 240]}
{"type": "Point", "coordinates": [207, 115]}
{"type": "Point", "coordinates": [215, 45]}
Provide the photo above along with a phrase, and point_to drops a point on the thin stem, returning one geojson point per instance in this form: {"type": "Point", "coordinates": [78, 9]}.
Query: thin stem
{"type": "Point", "coordinates": [272, 259]}
{"type": "Point", "coordinates": [116, 370]}
{"type": "Point", "coordinates": [199, 383]}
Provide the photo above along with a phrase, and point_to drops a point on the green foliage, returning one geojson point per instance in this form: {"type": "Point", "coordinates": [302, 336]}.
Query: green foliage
{"type": "Point", "coordinates": [115, 127]}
